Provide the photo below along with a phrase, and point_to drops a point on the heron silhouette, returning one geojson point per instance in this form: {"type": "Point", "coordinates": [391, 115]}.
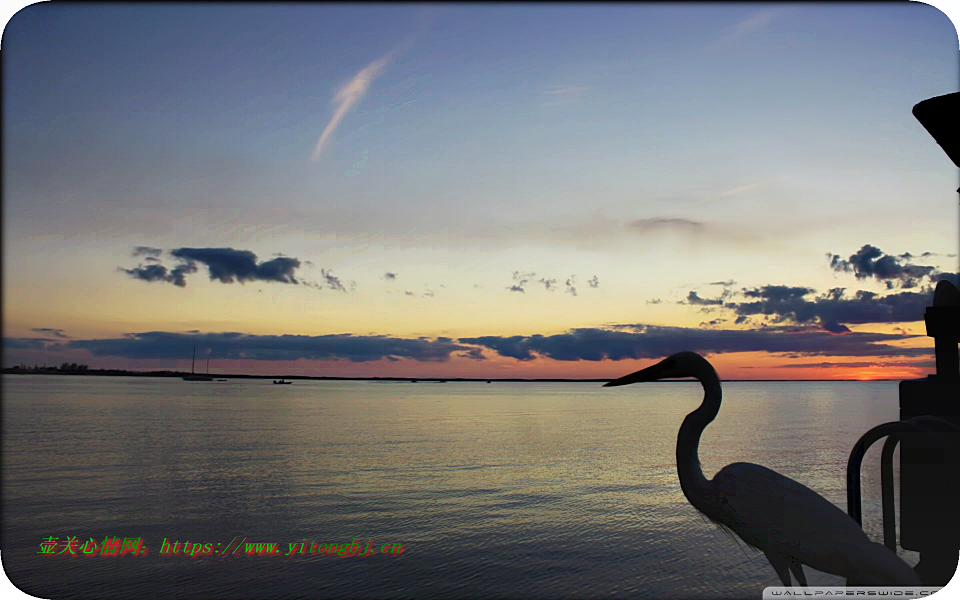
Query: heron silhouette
{"type": "Point", "coordinates": [787, 521]}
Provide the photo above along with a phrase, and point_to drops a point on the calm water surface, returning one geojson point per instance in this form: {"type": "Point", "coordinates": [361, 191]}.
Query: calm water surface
{"type": "Point", "coordinates": [502, 490]}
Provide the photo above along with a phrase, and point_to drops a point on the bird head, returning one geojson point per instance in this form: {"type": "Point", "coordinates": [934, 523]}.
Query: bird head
{"type": "Point", "coordinates": [681, 364]}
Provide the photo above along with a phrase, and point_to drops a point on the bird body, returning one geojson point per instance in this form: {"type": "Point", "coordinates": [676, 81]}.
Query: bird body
{"type": "Point", "coordinates": [790, 523]}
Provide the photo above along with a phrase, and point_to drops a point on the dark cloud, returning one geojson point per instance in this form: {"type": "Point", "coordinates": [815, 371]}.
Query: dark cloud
{"type": "Point", "coordinates": [24, 343]}
{"type": "Point", "coordinates": [279, 269]}
{"type": "Point", "coordinates": [176, 276]}
{"type": "Point", "coordinates": [693, 298]}
{"type": "Point", "coordinates": [655, 301]}
{"type": "Point", "coordinates": [895, 271]}
{"type": "Point", "coordinates": [521, 280]}
{"type": "Point", "coordinates": [409, 293]}
{"type": "Point", "coordinates": [550, 284]}
{"type": "Point", "coordinates": [390, 276]}
{"type": "Point", "coordinates": [833, 310]}
{"type": "Point", "coordinates": [233, 345]}
{"type": "Point", "coordinates": [777, 293]}
{"type": "Point", "coordinates": [54, 332]}
{"type": "Point", "coordinates": [829, 365]}
{"type": "Point", "coordinates": [650, 341]}
{"type": "Point", "coordinates": [332, 282]}
{"type": "Point", "coordinates": [953, 278]}
{"type": "Point", "coordinates": [712, 323]}
{"type": "Point", "coordinates": [473, 353]}
{"type": "Point", "coordinates": [226, 265]}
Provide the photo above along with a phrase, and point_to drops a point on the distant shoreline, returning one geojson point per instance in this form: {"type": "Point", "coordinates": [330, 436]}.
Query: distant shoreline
{"type": "Point", "coordinates": [121, 373]}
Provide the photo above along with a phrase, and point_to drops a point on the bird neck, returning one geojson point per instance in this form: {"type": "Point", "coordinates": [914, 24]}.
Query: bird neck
{"type": "Point", "coordinates": [688, 441]}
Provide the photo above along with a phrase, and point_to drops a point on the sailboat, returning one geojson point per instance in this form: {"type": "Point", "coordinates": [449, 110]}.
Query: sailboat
{"type": "Point", "coordinates": [193, 376]}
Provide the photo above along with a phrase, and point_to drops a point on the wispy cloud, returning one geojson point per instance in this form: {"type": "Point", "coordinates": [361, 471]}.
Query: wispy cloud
{"type": "Point", "coordinates": [350, 94]}
{"type": "Point", "coordinates": [50, 331]}
{"type": "Point", "coordinates": [755, 22]}
{"type": "Point", "coordinates": [563, 94]}
{"type": "Point", "coordinates": [739, 190]}
{"type": "Point", "coordinates": [660, 223]}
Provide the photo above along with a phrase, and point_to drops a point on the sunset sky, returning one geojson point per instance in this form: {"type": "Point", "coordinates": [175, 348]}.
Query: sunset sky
{"type": "Point", "coordinates": [476, 190]}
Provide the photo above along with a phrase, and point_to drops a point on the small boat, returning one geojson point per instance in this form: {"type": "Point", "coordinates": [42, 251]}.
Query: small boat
{"type": "Point", "coordinates": [194, 376]}
{"type": "Point", "coordinates": [221, 380]}
{"type": "Point", "coordinates": [282, 382]}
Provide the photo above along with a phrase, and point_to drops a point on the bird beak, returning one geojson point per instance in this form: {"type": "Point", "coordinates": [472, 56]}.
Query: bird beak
{"type": "Point", "coordinates": [652, 373]}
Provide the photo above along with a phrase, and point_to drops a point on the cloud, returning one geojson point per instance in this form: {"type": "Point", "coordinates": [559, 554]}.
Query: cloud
{"type": "Point", "coordinates": [390, 276]}
{"type": "Point", "coordinates": [755, 22]}
{"type": "Point", "coordinates": [869, 261]}
{"type": "Point", "coordinates": [666, 223]}
{"type": "Point", "coordinates": [655, 301]}
{"type": "Point", "coordinates": [349, 95]}
{"type": "Point", "coordinates": [693, 298]}
{"type": "Point", "coordinates": [563, 94]}
{"type": "Point", "coordinates": [332, 282]}
{"type": "Point", "coordinates": [473, 353]}
{"type": "Point", "coordinates": [833, 310]}
{"type": "Point", "coordinates": [25, 343]}
{"type": "Point", "coordinates": [225, 265]}
{"type": "Point", "coordinates": [146, 251]}
{"type": "Point", "coordinates": [566, 90]}
{"type": "Point", "coordinates": [862, 364]}
{"type": "Point", "coordinates": [49, 330]}
{"type": "Point", "coordinates": [953, 278]}
{"type": "Point", "coordinates": [836, 309]}
{"type": "Point", "coordinates": [352, 92]}
{"type": "Point", "coordinates": [650, 341]}
{"type": "Point", "coordinates": [739, 190]}
{"type": "Point", "coordinates": [233, 345]}
{"type": "Point", "coordinates": [521, 280]}
{"type": "Point", "coordinates": [550, 284]}
{"type": "Point", "coordinates": [176, 276]}
{"type": "Point", "coordinates": [712, 323]}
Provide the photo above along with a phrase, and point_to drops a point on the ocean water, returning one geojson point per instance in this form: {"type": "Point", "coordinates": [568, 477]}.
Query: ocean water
{"type": "Point", "coordinates": [501, 490]}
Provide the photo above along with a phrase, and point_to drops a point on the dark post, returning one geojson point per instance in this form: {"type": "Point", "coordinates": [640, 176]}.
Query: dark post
{"type": "Point", "coordinates": [929, 505]}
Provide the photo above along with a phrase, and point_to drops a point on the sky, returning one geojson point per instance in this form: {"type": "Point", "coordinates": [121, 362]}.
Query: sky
{"type": "Point", "coordinates": [480, 190]}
